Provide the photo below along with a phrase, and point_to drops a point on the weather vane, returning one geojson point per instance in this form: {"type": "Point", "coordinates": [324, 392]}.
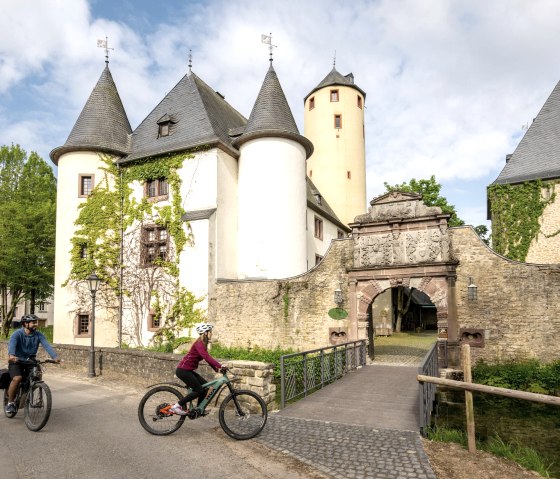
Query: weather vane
{"type": "Point", "coordinates": [105, 44]}
{"type": "Point", "coordinates": [334, 60]}
{"type": "Point", "coordinates": [190, 60]}
{"type": "Point", "coordinates": [268, 40]}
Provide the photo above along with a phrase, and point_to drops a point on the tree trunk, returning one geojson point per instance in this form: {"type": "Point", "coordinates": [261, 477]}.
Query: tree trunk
{"type": "Point", "coordinates": [402, 308]}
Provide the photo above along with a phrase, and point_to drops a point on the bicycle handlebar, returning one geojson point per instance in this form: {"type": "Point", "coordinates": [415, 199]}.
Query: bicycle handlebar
{"type": "Point", "coordinates": [33, 362]}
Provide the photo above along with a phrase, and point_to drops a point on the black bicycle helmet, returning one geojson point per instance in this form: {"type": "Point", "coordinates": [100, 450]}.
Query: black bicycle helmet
{"type": "Point", "coordinates": [26, 318]}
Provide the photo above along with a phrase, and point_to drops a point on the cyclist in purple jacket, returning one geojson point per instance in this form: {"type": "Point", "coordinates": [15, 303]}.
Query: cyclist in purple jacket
{"type": "Point", "coordinates": [186, 369]}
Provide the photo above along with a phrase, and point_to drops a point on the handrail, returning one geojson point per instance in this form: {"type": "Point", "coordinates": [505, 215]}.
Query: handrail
{"type": "Point", "coordinates": [428, 367]}
{"type": "Point", "coordinates": [305, 372]}
{"type": "Point", "coordinates": [511, 393]}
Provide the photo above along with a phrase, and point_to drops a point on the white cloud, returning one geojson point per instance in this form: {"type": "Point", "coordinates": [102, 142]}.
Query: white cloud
{"type": "Point", "coordinates": [449, 83]}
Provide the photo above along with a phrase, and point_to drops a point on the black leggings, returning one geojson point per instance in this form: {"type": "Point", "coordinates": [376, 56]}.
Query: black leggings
{"type": "Point", "coordinates": [193, 380]}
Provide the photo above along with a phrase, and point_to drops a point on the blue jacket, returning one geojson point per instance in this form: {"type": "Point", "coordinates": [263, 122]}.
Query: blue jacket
{"type": "Point", "coordinates": [23, 345]}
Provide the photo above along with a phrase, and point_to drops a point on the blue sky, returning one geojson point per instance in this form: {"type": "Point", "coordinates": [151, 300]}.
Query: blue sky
{"type": "Point", "coordinates": [449, 83]}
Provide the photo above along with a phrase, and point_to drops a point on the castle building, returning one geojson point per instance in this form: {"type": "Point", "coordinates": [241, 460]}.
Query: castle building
{"type": "Point", "coordinates": [523, 201]}
{"type": "Point", "coordinates": [194, 195]}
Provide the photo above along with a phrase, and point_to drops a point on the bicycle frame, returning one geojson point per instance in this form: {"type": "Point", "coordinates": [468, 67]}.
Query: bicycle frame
{"type": "Point", "coordinates": [214, 389]}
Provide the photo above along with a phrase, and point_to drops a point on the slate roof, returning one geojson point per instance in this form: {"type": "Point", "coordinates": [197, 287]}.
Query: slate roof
{"type": "Point", "coordinates": [199, 115]}
{"type": "Point", "coordinates": [322, 208]}
{"type": "Point", "coordinates": [335, 78]}
{"type": "Point", "coordinates": [102, 124]}
{"type": "Point", "coordinates": [538, 154]}
{"type": "Point", "coordinates": [271, 115]}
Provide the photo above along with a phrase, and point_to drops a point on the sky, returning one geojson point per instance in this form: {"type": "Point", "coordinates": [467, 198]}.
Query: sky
{"type": "Point", "coordinates": [451, 84]}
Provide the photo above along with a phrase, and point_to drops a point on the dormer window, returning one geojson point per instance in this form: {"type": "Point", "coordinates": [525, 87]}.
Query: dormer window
{"type": "Point", "coordinates": [165, 125]}
{"type": "Point", "coordinates": [318, 198]}
{"type": "Point", "coordinates": [163, 129]}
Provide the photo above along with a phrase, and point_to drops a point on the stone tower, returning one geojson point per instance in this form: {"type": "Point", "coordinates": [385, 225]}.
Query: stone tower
{"type": "Point", "coordinates": [334, 122]}
{"type": "Point", "coordinates": [272, 188]}
{"type": "Point", "coordinates": [101, 128]}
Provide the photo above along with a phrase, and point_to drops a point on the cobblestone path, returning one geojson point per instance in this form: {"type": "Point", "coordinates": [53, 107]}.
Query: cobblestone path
{"type": "Point", "coordinates": [349, 451]}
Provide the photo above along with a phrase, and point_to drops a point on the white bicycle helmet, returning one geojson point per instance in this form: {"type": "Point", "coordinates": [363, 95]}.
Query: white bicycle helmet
{"type": "Point", "coordinates": [204, 327]}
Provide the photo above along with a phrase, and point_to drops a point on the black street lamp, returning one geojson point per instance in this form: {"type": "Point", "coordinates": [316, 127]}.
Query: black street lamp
{"type": "Point", "coordinates": [93, 281]}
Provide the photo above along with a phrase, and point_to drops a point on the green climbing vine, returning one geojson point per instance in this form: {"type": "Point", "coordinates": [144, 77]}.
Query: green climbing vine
{"type": "Point", "coordinates": [516, 210]}
{"type": "Point", "coordinates": [98, 244]}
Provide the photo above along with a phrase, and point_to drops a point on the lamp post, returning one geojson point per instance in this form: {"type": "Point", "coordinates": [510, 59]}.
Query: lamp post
{"type": "Point", "coordinates": [93, 281]}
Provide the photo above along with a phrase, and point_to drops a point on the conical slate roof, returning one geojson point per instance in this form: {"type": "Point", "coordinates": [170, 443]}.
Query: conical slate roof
{"type": "Point", "coordinates": [336, 78]}
{"type": "Point", "coordinates": [271, 115]}
{"type": "Point", "coordinates": [102, 124]}
{"type": "Point", "coordinates": [538, 154]}
{"type": "Point", "coordinates": [198, 116]}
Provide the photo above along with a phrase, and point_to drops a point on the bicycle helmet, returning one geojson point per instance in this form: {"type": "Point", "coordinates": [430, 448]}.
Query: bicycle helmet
{"type": "Point", "coordinates": [203, 328]}
{"type": "Point", "coordinates": [26, 318]}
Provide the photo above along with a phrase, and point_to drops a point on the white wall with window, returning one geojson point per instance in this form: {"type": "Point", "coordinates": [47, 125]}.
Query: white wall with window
{"type": "Point", "coordinates": [317, 245]}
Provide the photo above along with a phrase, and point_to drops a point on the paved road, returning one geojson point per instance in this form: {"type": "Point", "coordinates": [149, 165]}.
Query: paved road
{"type": "Point", "coordinates": [94, 432]}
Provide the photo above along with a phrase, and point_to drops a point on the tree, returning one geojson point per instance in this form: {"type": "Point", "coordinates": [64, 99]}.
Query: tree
{"type": "Point", "coordinates": [482, 231]}
{"type": "Point", "coordinates": [430, 191]}
{"type": "Point", "coordinates": [27, 230]}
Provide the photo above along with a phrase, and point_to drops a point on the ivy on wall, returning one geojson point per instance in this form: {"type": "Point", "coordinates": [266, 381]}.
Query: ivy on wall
{"type": "Point", "coordinates": [516, 210]}
{"type": "Point", "coordinates": [112, 209]}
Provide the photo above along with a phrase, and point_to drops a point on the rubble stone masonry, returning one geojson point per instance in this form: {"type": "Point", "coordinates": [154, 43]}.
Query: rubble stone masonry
{"type": "Point", "coordinates": [517, 310]}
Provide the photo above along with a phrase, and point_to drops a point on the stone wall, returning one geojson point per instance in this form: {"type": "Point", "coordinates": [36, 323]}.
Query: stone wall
{"type": "Point", "coordinates": [517, 313]}
{"type": "Point", "coordinates": [289, 313]}
{"type": "Point", "coordinates": [145, 367]}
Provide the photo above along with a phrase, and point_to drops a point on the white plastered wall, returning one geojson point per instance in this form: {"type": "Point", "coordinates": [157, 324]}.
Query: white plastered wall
{"type": "Point", "coordinates": [316, 246]}
{"type": "Point", "coordinates": [70, 167]}
{"type": "Point", "coordinates": [272, 209]}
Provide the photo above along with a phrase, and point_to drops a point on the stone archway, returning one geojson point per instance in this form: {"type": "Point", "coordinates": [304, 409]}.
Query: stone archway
{"type": "Point", "coordinates": [402, 242]}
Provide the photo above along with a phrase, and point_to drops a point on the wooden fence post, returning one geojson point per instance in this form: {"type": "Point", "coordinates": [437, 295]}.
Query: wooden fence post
{"type": "Point", "coordinates": [469, 405]}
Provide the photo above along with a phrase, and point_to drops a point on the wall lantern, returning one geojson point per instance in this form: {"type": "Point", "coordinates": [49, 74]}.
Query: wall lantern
{"type": "Point", "coordinates": [472, 290]}
{"type": "Point", "coordinates": [338, 299]}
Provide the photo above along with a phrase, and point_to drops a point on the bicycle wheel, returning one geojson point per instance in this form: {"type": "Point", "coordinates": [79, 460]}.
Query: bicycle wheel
{"type": "Point", "coordinates": [243, 414]}
{"type": "Point", "coordinates": [8, 414]}
{"type": "Point", "coordinates": [152, 411]}
{"type": "Point", "coordinates": [38, 406]}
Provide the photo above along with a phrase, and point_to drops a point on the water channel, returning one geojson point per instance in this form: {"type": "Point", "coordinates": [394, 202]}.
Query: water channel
{"type": "Point", "coordinates": [514, 420]}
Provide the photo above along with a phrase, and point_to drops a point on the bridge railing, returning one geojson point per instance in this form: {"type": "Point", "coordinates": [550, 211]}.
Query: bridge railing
{"type": "Point", "coordinates": [305, 372]}
{"type": "Point", "coordinates": [428, 367]}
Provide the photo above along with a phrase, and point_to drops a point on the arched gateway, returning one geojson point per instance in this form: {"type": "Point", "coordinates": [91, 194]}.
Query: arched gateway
{"type": "Point", "coordinates": [402, 242]}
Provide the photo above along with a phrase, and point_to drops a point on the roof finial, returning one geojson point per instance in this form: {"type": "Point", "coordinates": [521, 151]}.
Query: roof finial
{"type": "Point", "coordinates": [105, 44]}
{"type": "Point", "coordinates": [334, 60]}
{"type": "Point", "coordinates": [190, 61]}
{"type": "Point", "coordinates": [268, 40]}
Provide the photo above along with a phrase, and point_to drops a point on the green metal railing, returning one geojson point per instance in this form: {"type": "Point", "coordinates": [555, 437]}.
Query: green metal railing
{"type": "Point", "coordinates": [305, 372]}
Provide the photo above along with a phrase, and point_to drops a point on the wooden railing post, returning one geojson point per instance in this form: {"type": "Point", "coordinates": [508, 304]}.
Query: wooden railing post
{"type": "Point", "coordinates": [469, 405]}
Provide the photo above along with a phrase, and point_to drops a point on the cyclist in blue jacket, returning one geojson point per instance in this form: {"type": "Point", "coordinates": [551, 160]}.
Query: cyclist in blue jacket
{"type": "Point", "coordinates": [23, 345]}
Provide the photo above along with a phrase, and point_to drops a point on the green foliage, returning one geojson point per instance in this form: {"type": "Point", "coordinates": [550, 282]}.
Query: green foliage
{"type": "Point", "coordinates": [482, 231]}
{"type": "Point", "coordinates": [111, 208]}
{"type": "Point", "coordinates": [529, 376]}
{"type": "Point", "coordinates": [253, 354]}
{"type": "Point", "coordinates": [183, 314]}
{"type": "Point", "coordinates": [27, 229]}
{"type": "Point", "coordinates": [515, 212]}
{"type": "Point", "coordinates": [443, 434]}
{"type": "Point", "coordinates": [48, 332]}
{"type": "Point", "coordinates": [522, 455]}
{"type": "Point", "coordinates": [430, 191]}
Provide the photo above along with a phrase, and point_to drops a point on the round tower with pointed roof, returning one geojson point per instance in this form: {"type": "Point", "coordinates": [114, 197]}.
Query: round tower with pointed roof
{"type": "Point", "coordinates": [272, 188]}
{"type": "Point", "coordinates": [101, 128]}
{"type": "Point", "coordinates": [334, 122]}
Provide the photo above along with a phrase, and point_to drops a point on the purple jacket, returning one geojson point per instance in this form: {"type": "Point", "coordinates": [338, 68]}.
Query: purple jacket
{"type": "Point", "coordinates": [197, 353]}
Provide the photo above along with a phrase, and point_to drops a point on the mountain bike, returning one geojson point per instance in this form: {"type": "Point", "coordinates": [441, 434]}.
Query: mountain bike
{"type": "Point", "coordinates": [242, 413]}
{"type": "Point", "coordinates": [33, 395]}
